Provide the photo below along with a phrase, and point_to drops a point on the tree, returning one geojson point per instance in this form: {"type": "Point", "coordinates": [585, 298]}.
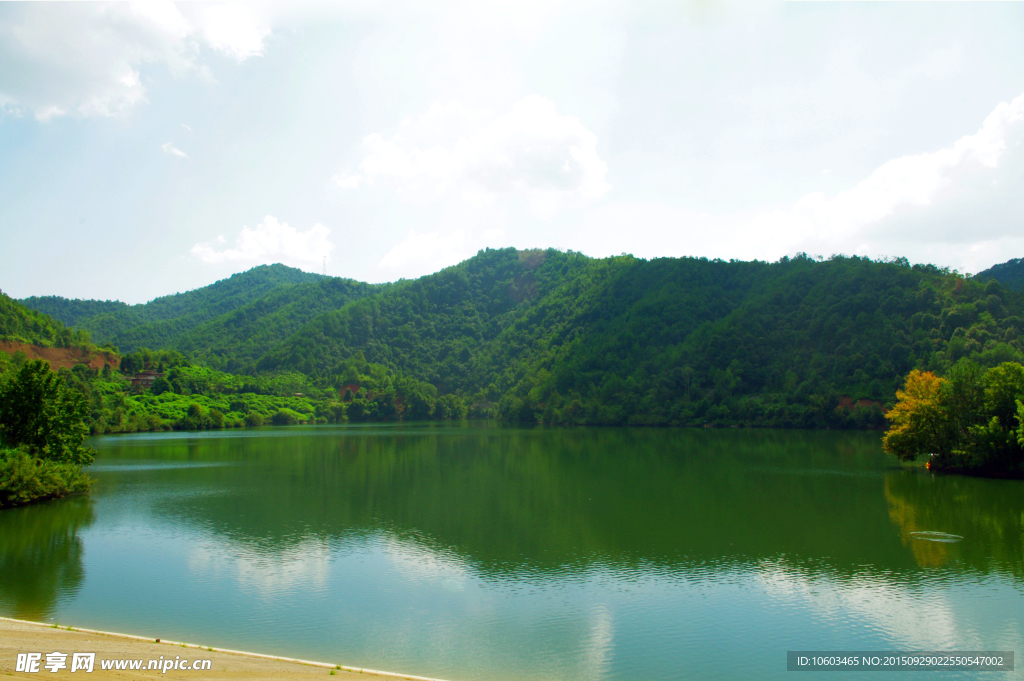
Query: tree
{"type": "Point", "coordinates": [970, 421]}
{"type": "Point", "coordinates": [962, 399]}
{"type": "Point", "coordinates": [160, 386]}
{"type": "Point", "coordinates": [128, 365]}
{"type": "Point", "coordinates": [450, 407]}
{"type": "Point", "coordinates": [1004, 388]}
{"type": "Point", "coordinates": [419, 405]}
{"type": "Point", "coordinates": [40, 412]}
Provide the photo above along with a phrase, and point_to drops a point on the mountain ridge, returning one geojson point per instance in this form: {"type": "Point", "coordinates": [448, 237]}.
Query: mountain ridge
{"type": "Point", "coordinates": [1010, 274]}
{"type": "Point", "coordinates": [564, 338]}
{"type": "Point", "coordinates": [156, 323]}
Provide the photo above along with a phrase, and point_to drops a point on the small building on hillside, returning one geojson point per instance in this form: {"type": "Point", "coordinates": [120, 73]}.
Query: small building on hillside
{"type": "Point", "coordinates": [145, 379]}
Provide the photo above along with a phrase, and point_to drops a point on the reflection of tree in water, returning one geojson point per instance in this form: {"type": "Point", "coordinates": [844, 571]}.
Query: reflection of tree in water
{"type": "Point", "coordinates": [41, 555]}
{"type": "Point", "coordinates": [555, 500]}
{"type": "Point", "coordinates": [988, 514]}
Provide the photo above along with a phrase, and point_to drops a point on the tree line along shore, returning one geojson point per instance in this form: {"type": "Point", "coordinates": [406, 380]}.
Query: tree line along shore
{"type": "Point", "coordinates": [555, 338]}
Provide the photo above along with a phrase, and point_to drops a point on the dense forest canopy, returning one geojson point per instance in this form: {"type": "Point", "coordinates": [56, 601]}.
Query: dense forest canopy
{"type": "Point", "coordinates": [558, 337]}
{"type": "Point", "coordinates": [170, 321]}
{"type": "Point", "coordinates": [568, 339]}
{"type": "Point", "coordinates": [1010, 274]}
{"type": "Point", "coordinates": [20, 323]}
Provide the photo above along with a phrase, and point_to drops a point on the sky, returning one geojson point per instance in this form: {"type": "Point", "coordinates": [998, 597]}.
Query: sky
{"type": "Point", "coordinates": [152, 148]}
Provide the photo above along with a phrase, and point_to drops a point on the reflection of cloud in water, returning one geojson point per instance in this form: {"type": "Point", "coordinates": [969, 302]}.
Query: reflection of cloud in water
{"type": "Point", "coordinates": [918, 621]}
{"type": "Point", "coordinates": [599, 646]}
{"type": "Point", "coordinates": [419, 563]}
{"type": "Point", "coordinates": [270, 573]}
{"type": "Point", "coordinates": [560, 635]}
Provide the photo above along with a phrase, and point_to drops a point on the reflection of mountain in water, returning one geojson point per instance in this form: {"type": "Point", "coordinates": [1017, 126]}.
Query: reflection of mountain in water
{"type": "Point", "coordinates": [988, 514]}
{"type": "Point", "coordinates": [41, 555]}
{"type": "Point", "coordinates": [539, 501]}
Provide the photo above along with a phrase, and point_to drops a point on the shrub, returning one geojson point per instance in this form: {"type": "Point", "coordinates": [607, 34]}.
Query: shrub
{"type": "Point", "coordinates": [24, 478]}
{"type": "Point", "coordinates": [253, 419]}
{"type": "Point", "coordinates": [450, 407]}
{"type": "Point", "coordinates": [285, 417]}
{"type": "Point", "coordinates": [216, 418]}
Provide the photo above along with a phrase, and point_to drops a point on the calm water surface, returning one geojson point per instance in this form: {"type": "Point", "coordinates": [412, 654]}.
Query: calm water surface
{"type": "Point", "coordinates": [475, 552]}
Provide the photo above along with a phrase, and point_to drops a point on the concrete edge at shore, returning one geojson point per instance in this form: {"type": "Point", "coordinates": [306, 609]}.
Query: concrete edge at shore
{"type": "Point", "coordinates": [229, 651]}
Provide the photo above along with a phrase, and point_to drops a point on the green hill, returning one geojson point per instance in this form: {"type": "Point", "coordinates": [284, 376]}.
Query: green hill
{"type": "Point", "coordinates": [21, 324]}
{"type": "Point", "coordinates": [1010, 274]}
{"type": "Point", "coordinates": [569, 339]}
{"type": "Point", "coordinates": [161, 322]}
{"type": "Point", "coordinates": [560, 337]}
{"type": "Point", "coordinates": [237, 338]}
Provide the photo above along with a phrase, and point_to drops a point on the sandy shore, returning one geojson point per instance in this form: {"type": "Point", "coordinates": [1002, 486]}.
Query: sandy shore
{"type": "Point", "coordinates": [17, 636]}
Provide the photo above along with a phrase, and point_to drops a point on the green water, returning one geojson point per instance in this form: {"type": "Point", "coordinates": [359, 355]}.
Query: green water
{"type": "Point", "coordinates": [477, 552]}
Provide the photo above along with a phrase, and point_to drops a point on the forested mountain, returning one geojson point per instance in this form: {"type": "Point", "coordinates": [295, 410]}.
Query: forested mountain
{"type": "Point", "coordinates": [562, 338]}
{"type": "Point", "coordinates": [169, 321]}
{"type": "Point", "coordinates": [237, 338]}
{"type": "Point", "coordinates": [569, 339]}
{"type": "Point", "coordinates": [1010, 274]}
{"type": "Point", "coordinates": [21, 324]}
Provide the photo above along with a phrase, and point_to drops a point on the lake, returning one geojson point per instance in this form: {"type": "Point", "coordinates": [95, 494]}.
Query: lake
{"type": "Point", "coordinates": [475, 552]}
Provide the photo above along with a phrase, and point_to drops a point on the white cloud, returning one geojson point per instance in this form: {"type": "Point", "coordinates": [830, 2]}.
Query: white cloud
{"type": "Point", "coordinates": [172, 150]}
{"type": "Point", "coordinates": [907, 182]}
{"type": "Point", "coordinates": [425, 253]}
{"type": "Point", "coordinates": [842, 111]}
{"type": "Point", "coordinates": [530, 151]}
{"type": "Point", "coordinates": [960, 205]}
{"type": "Point", "coordinates": [232, 28]}
{"type": "Point", "coordinates": [86, 58]}
{"type": "Point", "coordinates": [271, 242]}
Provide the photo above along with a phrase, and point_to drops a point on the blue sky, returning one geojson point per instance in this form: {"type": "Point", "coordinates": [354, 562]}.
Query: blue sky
{"type": "Point", "coordinates": [154, 148]}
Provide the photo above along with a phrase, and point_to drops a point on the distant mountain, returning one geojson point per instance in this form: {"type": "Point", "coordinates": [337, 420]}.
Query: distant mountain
{"type": "Point", "coordinates": [21, 324]}
{"type": "Point", "coordinates": [162, 321]}
{"type": "Point", "coordinates": [236, 339]}
{"type": "Point", "coordinates": [1010, 274]}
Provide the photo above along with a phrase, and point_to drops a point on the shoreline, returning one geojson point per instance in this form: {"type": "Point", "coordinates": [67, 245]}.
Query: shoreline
{"type": "Point", "coordinates": [25, 636]}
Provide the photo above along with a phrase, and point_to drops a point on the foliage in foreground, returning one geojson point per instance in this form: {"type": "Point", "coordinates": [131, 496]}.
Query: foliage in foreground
{"type": "Point", "coordinates": [970, 421]}
{"type": "Point", "coordinates": [42, 430]}
{"type": "Point", "coordinates": [25, 478]}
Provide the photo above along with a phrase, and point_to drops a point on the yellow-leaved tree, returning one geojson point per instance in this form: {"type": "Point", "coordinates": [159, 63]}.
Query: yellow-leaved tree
{"type": "Point", "coordinates": [970, 421]}
{"type": "Point", "coordinates": [917, 419]}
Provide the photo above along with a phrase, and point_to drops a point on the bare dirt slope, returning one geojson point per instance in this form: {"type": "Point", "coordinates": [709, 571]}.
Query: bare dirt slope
{"type": "Point", "coordinates": [63, 357]}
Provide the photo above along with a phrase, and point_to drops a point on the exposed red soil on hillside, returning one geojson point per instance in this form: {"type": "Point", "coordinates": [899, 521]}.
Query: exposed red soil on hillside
{"type": "Point", "coordinates": [63, 357]}
{"type": "Point", "coordinates": [849, 403]}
